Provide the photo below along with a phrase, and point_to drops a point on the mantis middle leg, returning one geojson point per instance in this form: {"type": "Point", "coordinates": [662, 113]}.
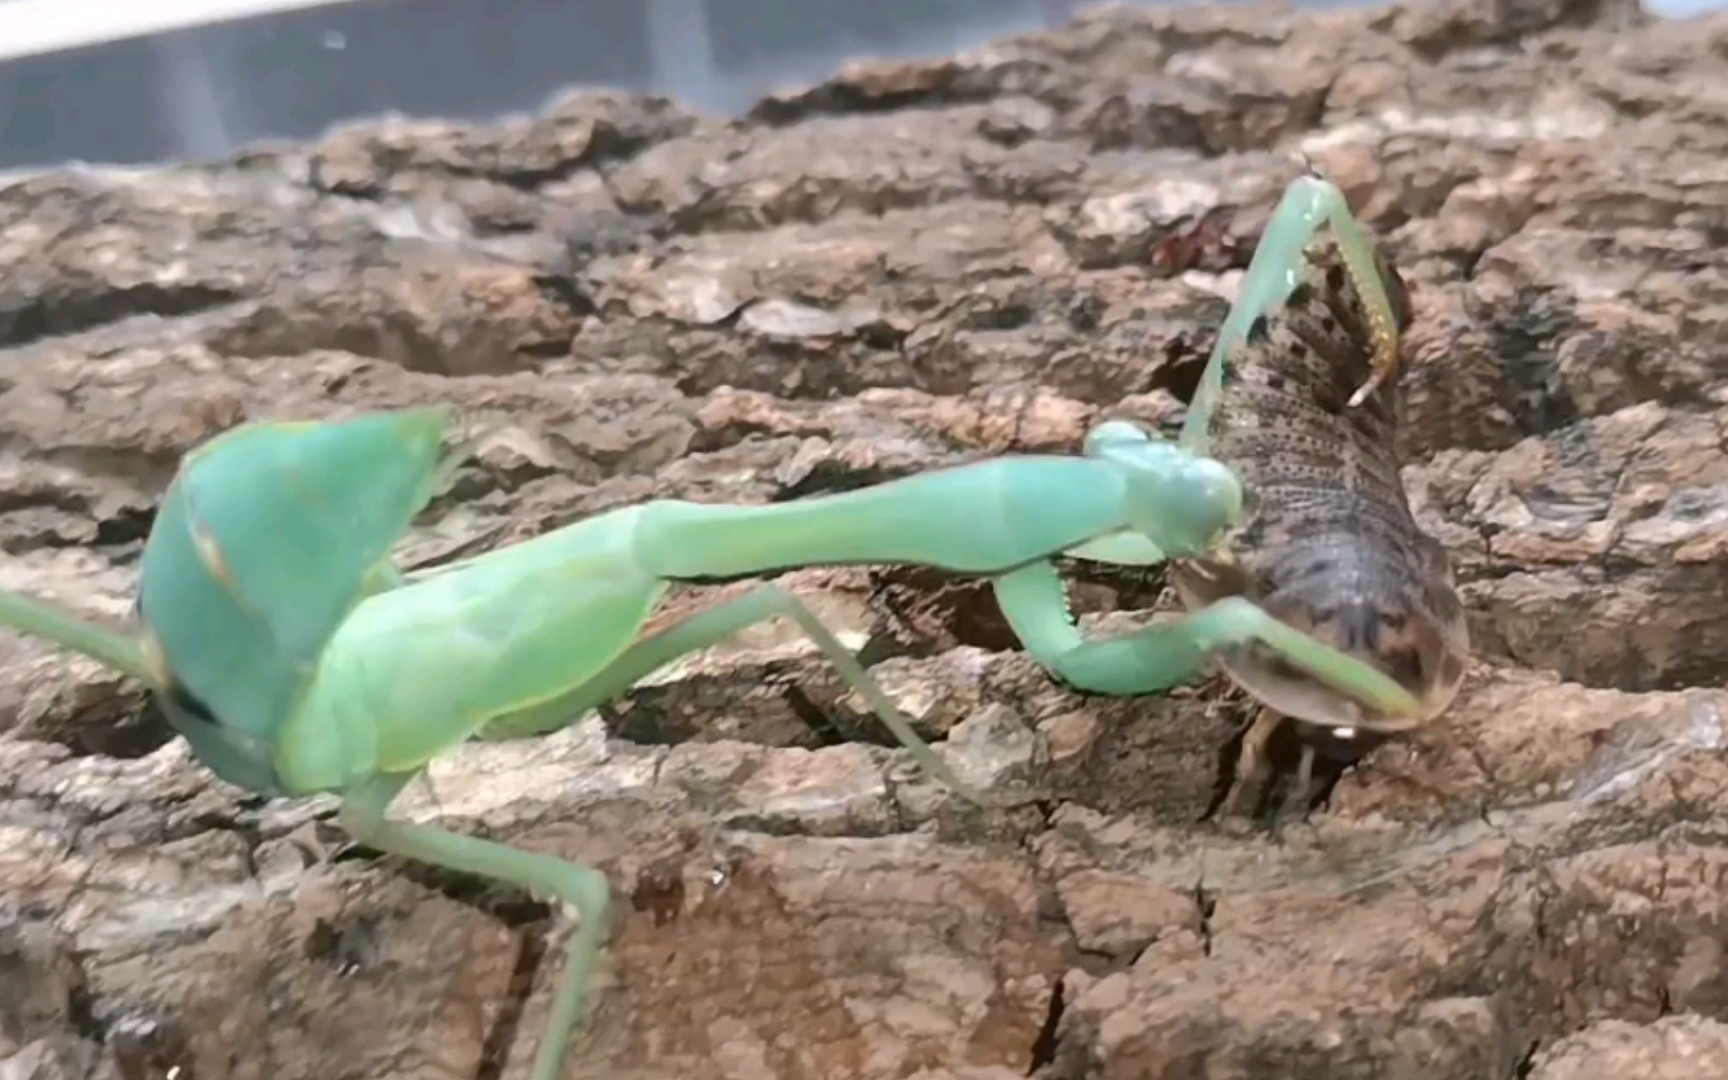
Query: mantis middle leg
{"type": "Point", "coordinates": [363, 815]}
{"type": "Point", "coordinates": [708, 628]}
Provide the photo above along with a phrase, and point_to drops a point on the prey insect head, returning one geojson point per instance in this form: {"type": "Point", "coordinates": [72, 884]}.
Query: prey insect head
{"type": "Point", "coordinates": [1179, 500]}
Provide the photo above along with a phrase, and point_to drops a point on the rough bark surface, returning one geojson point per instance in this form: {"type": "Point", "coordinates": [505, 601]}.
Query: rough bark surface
{"type": "Point", "coordinates": [910, 265]}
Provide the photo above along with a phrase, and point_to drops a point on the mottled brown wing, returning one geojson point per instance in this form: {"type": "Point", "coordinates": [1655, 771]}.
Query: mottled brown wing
{"type": "Point", "coordinates": [1328, 543]}
{"type": "Point", "coordinates": [1283, 422]}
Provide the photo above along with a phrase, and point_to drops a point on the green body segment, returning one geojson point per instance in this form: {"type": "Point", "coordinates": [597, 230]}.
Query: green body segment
{"type": "Point", "coordinates": [973, 519]}
{"type": "Point", "coordinates": [263, 544]}
{"type": "Point", "coordinates": [416, 670]}
{"type": "Point", "coordinates": [1130, 491]}
{"type": "Point", "coordinates": [413, 671]}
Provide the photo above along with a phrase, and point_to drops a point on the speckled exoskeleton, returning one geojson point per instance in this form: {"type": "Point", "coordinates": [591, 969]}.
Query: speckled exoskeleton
{"type": "Point", "coordinates": [1304, 406]}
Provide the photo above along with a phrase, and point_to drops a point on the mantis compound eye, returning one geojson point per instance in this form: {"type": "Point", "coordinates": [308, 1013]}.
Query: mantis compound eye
{"type": "Point", "coordinates": [1114, 437]}
{"type": "Point", "coordinates": [1177, 499]}
{"type": "Point", "coordinates": [1194, 501]}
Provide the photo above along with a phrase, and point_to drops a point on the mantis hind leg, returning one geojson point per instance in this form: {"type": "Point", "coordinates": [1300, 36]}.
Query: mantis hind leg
{"type": "Point", "coordinates": [587, 890]}
{"type": "Point", "coordinates": [1155, 658]}
{"type": "Point", "coordinates": [119, 651]}
{"type": "Point", "coordinates": [709, 628]}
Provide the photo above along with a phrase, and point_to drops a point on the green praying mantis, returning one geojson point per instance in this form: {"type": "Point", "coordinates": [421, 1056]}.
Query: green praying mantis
{"type": "Point", "coordinates": [279, 638]}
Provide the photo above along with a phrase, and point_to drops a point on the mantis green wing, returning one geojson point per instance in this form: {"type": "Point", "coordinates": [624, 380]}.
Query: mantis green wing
{"type": "Point", "coordinates": [266, 540]}
{"type": "Point", "coordinates": [267, 537]}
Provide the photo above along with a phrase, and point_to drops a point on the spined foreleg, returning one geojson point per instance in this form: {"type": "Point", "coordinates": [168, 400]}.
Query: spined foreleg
{"type": "Point", "coordinates": [1155, 658]}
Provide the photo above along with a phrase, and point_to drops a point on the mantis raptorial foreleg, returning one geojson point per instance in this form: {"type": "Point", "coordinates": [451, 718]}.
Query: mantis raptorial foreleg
{"type": "Point", "coordinates": [1155, 658]}
{"type": "Point", "coordinates": [1142, 660]}
{"type": "Point", "coordinates": [1309, 204]}
{"type": "Point", "coordinates": [1299, 398]}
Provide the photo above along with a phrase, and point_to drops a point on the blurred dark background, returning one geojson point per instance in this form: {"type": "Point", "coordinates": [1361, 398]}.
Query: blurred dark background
{"type": "Point", "coordinates": [203, 93]}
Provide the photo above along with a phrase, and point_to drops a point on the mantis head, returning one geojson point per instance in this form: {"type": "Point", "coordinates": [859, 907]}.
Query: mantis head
{"type": "Point", "coordinates": [233, 755]}
{"type": "Point", "coordinates": [1180, 501]}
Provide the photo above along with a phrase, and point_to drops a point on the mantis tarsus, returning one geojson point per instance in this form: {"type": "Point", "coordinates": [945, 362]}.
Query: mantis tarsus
{"type": "Point", "coordinates": [278, 637]}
